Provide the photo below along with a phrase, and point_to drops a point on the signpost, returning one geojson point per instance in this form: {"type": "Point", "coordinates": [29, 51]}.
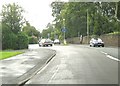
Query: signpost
{"type": "Point", "coordinates": [48, 35]}
{"type": "Point", "coordinates": [64, 30]}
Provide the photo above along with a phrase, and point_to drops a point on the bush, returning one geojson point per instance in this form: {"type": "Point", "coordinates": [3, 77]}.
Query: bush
{"type": "Point", "coordinates": [9, 39]}
{"type": "Point", "coordinates": [13, 41]}
{"type": "Point", "coordinates": [22, 41]}
{"type": "Point", "coordinates": [33, 40]}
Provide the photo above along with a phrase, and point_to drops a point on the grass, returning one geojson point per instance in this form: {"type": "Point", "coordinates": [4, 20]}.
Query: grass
{"type": "Point", "coordinates": [8, 54]}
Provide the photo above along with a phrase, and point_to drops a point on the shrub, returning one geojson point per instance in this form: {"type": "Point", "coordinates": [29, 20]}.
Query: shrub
{"type": "Point", "coordinates": [9, 39]}
{"type": "Point", "coordinates": [22, 41]}
{"type": "Point", "coordinates": [33, 40]}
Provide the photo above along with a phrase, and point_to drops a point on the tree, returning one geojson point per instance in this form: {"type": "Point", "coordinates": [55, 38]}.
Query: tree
{"type": "Point", "coordinates": [12, 17]}
{"type": "Point", "coordinates": [9, 39]}
{"type": "Point", "coordinates": [30, 30]}
{"type": "Point", "coordinates": [118, 11]}
{"type": "Point", "coordinates": [12, 21]}
{"type": "Point", "coordinates": [75, 19]}
{"type": "Point", "coordinates": [22, 41]}
{"type": "Point", "coordinates": [101, 17]}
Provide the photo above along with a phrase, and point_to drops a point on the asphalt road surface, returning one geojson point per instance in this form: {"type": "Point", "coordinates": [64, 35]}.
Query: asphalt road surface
{"type": "Point", "coordinates": [79, 64]}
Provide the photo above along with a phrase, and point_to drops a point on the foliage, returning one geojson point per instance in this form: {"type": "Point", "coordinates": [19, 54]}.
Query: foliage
{"type": "Point", "coordinates": [30, 30]}
{"type": "Point", "coordinates": [33, 40]}
{"type": "Point", "coordinates": [12, 17]}
{"type": "Point", "coordinates": [100, 17]}
{"type": "Point", "coordinates": [13, 41]}
{"type": "Point", "coordinates": [22, 41]}
{"type": "Point", "coordinates": [32, 33]}
{"type": "Point", "coordinates": [9, 39]}
{"type": "Point", "coordinates": [118, 12]}
{"type": "Point", "coordinates": [12, 22]}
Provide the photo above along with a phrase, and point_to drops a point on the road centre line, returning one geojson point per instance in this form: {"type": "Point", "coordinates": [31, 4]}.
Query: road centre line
{"type": "Point", "coordinates": [109, 56]}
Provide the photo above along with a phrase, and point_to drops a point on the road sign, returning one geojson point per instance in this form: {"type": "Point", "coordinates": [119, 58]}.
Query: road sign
{"type": "Point", "coordinates": [64, 29]}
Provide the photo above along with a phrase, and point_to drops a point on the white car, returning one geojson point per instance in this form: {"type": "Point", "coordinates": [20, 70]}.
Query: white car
{"type": "Point", "coordinates": [56, 41]}
{"type": "Point", "coordinates": [45, 42]}
{"type": "Point", "coordinates": [96, 42]}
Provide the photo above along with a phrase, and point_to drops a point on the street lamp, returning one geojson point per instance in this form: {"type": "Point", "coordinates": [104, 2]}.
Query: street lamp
{"type": "Point", "coordinates": [87, 26]}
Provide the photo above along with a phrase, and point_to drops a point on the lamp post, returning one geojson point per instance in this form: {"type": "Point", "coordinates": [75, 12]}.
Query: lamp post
{"type": "Point", "coordinates": [87, 27]}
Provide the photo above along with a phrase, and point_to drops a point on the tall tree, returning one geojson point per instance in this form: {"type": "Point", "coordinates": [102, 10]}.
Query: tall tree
{"type": "Point", "coordinates": [12, 21]}
{"type": "Point", "coordinates": [118, 10]}
{"type": "Point", "coordinates": [12, 17]}
{"type": "Point", "coordinates": [30, 30]}
{"type": "Point", "coordinates": [100, 16]}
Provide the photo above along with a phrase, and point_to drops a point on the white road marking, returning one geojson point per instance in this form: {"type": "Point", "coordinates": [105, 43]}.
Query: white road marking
{"type": "Point", "coordinates": [53, 75]}
{"type": "Point", "coordinates": [109, 56]}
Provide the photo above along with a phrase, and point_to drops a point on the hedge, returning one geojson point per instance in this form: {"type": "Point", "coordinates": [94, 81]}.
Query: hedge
{"type": "Point", "coordinates": [22, 41]}
{"type": "Point", "coordinates": [13, 41]}
{"type": "Point", "coordinates": [33, 40]}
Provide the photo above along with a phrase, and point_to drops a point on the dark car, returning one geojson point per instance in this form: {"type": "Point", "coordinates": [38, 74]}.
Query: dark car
{"type": "Point", "coordinates": [45, 42]}
{"type": "Point", "coordinates": [96, 42]}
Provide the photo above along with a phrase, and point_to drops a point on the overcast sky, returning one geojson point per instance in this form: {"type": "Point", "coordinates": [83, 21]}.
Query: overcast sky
{"type": "Point", "coordinates": [37, 12]}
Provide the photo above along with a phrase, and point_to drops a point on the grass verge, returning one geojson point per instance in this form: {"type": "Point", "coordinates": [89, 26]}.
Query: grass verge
{"type": "Point", "coordinates": [8, 54]}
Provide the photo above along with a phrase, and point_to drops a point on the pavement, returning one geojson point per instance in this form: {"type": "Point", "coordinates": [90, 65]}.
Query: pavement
{"type": "Point", "coordinates": [18, 69]}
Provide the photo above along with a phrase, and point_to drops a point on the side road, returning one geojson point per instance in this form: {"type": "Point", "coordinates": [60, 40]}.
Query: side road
{"type": "Point", "coordinates": [18, 69]}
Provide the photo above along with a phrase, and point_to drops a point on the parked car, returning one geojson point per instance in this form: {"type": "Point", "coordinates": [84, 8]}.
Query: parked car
{"type": "Point", "coordinates": [96, 42]}
{"type": "Point", "coordinates": [45, 42]}
{"type": "Point", "coordinates": [56, 41]}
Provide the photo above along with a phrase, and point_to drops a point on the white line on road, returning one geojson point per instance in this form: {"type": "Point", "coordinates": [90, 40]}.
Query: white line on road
{"type": "Point", "coordinates": [109, 56]}
{"type": "Point", "coordinates": [54, 75]}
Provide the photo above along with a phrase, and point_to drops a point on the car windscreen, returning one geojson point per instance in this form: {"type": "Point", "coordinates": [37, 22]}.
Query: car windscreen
{"type": "Point", "coordinates": [48, 41]}
{"type": "Point", "coordinates": [99, 40]}
{"type": "Point", "coordinates": [43, 40]}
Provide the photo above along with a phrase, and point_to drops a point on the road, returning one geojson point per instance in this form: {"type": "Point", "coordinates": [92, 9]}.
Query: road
{"type": "Point", "coordinates": [79, 64]}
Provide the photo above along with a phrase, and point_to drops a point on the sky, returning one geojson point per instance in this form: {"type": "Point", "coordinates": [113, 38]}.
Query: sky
{"type": "Point", "coordinates": [37, 12]}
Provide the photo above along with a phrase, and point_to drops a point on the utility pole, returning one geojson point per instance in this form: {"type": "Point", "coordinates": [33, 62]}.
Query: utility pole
{"type": "Point", "coordinates": [116, 10]}
{"type": "Point", "coordinates": [78, 34]}
{"type": "Point", "coordinates": [87, 27]}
